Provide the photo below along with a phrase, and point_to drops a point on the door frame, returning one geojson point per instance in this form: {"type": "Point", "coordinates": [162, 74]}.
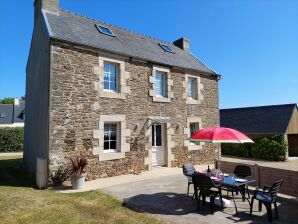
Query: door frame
{"type": "Point", "coordinates": [163, 144]}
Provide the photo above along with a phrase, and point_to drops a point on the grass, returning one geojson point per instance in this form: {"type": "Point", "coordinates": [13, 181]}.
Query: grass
{"type": "Point", "coordinates": [21, 203]}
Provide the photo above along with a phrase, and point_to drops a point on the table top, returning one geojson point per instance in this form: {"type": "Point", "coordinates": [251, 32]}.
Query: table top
{"type": "Point", "coordinates": [230, 182]}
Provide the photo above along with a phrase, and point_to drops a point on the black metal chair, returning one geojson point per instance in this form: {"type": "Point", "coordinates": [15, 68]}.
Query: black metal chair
{"type": "Point", "coordinates": [267, 197]}
{"type": "Point", "coordinates": [206, 187]}
{"type": "Point", "coordinates": [188, 171]}
{"type": "Point", "coordinates": [241, 171]}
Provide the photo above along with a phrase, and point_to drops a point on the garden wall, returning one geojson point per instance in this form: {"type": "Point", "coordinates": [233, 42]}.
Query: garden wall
{"type": "Point", "coordinates": [267, 175]}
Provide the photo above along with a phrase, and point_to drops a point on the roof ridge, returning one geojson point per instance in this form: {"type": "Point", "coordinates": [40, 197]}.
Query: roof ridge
{"type": "Point", "coordinates": [272, 105]}
{"type": "Point", "coordinates": [134, 32]}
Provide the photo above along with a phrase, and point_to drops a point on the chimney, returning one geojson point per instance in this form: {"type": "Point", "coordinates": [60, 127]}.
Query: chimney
{"type": "Point", "coordinates": [182, 43]}
{"type": "Point", "coordinates": [47, 5]}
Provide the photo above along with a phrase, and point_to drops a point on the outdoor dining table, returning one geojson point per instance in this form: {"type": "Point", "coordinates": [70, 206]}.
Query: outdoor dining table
{"type": "Point", "coordinates": [234, 183]}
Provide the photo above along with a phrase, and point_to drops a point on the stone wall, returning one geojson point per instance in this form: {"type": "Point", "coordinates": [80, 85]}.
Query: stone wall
{"type": "Point", "coordinates": [265, 176]}
{"type": "Point", "coordinates": [75, 109]}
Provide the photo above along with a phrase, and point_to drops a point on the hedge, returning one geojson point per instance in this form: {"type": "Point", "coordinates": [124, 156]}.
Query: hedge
{"type": "Point", "coordinates": [272, 148]}
{"type": "Point", "coordinates": [11, 139]}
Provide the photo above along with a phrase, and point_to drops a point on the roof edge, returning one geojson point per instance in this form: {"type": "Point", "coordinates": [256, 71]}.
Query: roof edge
{"type": "Point", "coordinates": [273, 105]}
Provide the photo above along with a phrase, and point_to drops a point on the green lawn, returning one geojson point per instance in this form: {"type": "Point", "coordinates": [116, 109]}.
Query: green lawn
{"type": "Point", "coordinates": [20, 203]}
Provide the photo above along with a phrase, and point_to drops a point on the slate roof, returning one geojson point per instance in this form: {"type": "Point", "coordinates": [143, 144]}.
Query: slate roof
{"type": "Point", "coordinates": [272, 119]}
{"type": "Point", "coordinates": [68, 26]}
{"type": "Point", "coordinates": [6, 113]}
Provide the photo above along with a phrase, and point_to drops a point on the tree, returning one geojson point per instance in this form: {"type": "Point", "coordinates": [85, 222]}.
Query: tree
{"type": "Point", "coordinates": [7, 100]}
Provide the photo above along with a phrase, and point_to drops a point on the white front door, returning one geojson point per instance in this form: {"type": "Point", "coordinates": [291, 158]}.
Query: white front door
{"type": "Point", "coordinates": [158, 145]}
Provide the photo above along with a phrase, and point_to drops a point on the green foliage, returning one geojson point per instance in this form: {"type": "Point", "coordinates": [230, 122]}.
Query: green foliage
{"type": "Point", "coordinates": [272, 148]}
{"type": "Point", "coordinates": [243, 150]}
{"type": "Point", "coordinates": [11, 139]}
{"type": "Point", "coordinates": [7, 100]}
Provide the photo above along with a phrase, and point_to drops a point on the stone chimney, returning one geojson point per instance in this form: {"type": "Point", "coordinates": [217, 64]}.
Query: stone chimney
{"type": "Point", "coordinates": [47, 5]}
{"type": "Point", "coordinates": [182, 43]}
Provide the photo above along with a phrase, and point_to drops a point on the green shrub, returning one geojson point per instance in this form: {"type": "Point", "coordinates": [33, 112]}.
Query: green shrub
{"type": "Point", "coordinates": [272, 148]}
{"type": "Point", "coordinates": [243, 150]}
{"type": "Point", "coordinates": [11, 139]}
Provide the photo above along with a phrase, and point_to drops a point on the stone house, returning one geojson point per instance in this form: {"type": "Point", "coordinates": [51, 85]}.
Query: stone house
{"type": "Point", "coordinates": [128, 101]}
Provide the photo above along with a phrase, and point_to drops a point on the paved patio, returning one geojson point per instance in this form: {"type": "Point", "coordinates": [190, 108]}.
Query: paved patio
{"type": "Point", "coordinates": [165, 198]}
{"type": "Point", "coordinates": [161, 192]}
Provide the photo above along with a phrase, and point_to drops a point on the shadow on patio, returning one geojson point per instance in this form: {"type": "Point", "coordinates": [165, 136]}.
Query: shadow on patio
{"type": "Point", "coordinates": [177, 208]}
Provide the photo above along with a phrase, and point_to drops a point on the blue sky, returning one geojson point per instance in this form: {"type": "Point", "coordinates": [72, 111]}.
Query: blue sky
{"type": "Point", "coordinates": [253, 44]}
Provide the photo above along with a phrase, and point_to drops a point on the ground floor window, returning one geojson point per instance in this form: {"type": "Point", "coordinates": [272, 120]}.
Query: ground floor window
{"type": "Point", "coordinates": [194, 127]}
{"type": "Point", "coordinates": [111, 137]}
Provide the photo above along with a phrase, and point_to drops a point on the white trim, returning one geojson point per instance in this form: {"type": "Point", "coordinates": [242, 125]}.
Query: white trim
{"type": "Point", "coordinates": [49, 29]}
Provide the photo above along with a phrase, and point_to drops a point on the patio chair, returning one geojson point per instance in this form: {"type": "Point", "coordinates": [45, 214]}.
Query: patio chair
{"type": "Point", "coordinates": [241, 171]}
{"type": "Point", "coordinates": [267, 197]}
{"type": "Point", "coordinates": [206, 187]}
{"type": "Point", "coordinates": [188, 171]}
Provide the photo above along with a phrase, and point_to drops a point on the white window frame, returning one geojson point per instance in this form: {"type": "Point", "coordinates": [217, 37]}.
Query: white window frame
{"type": "Point", "coordinates": [116, 76]}
{"type": "Point", "coordinates": [168, 85]}
{"type": "Point", "coordinates": [198, 90]}
{"type": "Point", "coordinates": [192, 146]}
{"type": "Point", "coordinates": [122, 76]}
{"type": "Point", "coordinates": [118, 135]}
{"type": "Point", "coordinates": [123, 135]}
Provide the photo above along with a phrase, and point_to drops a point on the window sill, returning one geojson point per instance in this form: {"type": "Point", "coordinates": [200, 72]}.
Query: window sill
{"type": "Point", "coordinates": [111, 94]}
{"type": "Point", "coordinates": [111, 156]}
{"type": "Point", "coordinates": [161, 99]}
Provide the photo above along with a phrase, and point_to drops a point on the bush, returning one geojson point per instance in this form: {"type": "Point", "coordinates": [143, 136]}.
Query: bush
{"type": "Point", "coordinates": [11, 139]}
{"type": "Point", "coordinates": [243, 150]}
{"type": "Point", "coordinates": [272, 148]}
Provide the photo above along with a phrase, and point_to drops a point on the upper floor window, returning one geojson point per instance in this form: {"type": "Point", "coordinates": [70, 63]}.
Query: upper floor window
{"type": "Point", "coordinates": [192, 88]}
{"type": "Point", "coordinates": [160, 83]}
{"type": "Point", "coordinates": [110, 77]}
{"type": "Point", "coordinates": [111, 137]}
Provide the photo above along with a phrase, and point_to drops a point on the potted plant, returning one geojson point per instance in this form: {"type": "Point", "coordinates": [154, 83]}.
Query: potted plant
{"type": "Point", "coordinates": [78, 171]}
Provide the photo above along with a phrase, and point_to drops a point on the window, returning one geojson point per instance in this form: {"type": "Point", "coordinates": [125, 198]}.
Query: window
{"type": "Point", "coordinates": [156, 135]}
{"type": "Point", "coordinates": [194, 127]}
{"type": "Point", "coordinates": [166, 48]}
{"type": "Point", "coordinates": [192, 88]}
{"type": "Point", "coordinates": [160, 83]}
{"type": "Point", "coordinates": [105, 30]}
{"type": "Point", "coordinates": [110, 77]}
{"type": "Point", "coordinates": [110, 137]}
{"type": "Point", "coordinates": [2, 115]}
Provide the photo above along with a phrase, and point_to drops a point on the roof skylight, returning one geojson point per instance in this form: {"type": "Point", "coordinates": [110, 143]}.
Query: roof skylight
{"type": "Point", "coordinates": [105, 30]}
{"type": "Point", "coordinates": [166, 48]}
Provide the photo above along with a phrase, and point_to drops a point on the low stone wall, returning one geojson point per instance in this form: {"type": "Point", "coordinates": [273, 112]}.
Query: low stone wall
{"type": "Point", "coordinates": [267, 175]}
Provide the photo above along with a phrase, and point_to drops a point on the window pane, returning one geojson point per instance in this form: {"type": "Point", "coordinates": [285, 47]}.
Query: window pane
{"type": "Point", "coordinates": [106, 146]}
{"type": "Point", "coordinates": [113, 144]}
{"type": "Point", "coordinates": [194, 127]}
{"type": "Point", "coordinates": [158, 135]}
{"type": "Point", "coordinates": [153, 135]}
{"type": "Point", "coordinates": [113, 136]}
{"type": "Point", "coordinates": [106, 85]}
{"type": "Point", "coordinates": [160, 84]}
{"type": "Point", "coordinates": [190, 88]}
{"type": "Point", "coordinates": [113, 86]}
{"type": "Point", "coordinates": [106, 68]}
